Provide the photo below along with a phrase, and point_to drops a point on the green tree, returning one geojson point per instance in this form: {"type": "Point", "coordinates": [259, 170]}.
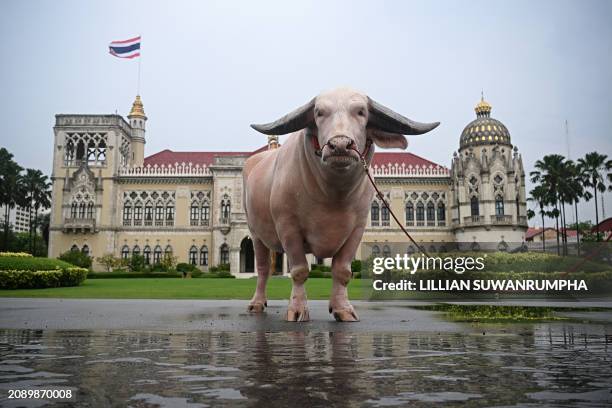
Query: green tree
{"type": "Point", "coordinates": [595, 168]}
{"type": "Point", "coordinates": [37, 195]}
{"type": "Point", "coordinates": [539, 195]}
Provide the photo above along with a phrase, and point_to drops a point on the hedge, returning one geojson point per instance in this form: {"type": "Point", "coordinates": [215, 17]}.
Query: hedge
{"type": "Point", "coordinates": [22, 254]}
{"type": "Point", "coordinates": [22, 263]}
{"type": "Point", "coordinates": [26, 279]}
{"type": "Point", "coordinates": [132, 275]}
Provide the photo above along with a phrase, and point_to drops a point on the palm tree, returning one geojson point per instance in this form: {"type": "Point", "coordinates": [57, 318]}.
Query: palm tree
{"type": "Point", "coordinates": [593, 166]}
{"type": "Point", "coordinates": [549, 173]}
{"type": "Point", "coordinates": [575, 191]}
{"type": "Point", "coordinates": [30, 181]}
{"type": "Point", "coordinates": [42, 199]}
{"type": "Point", "coordinates": [539, 196]}
{"type": "Point", "coordinates": [11, 188]}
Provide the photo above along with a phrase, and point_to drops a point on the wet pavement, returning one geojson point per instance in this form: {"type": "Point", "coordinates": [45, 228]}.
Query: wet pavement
{"type": "Point", "coordinates": [211, 353]}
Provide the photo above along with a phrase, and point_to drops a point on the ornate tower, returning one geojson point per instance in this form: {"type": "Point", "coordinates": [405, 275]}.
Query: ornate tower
{"type": "Point", "coordinates": [138, 123]}
{"type": "Point", "coordinates": [488, 185]}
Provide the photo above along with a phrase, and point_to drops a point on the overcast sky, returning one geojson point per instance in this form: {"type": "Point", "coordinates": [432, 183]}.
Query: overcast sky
{"type": "Point", "coordinates": [209, 69]}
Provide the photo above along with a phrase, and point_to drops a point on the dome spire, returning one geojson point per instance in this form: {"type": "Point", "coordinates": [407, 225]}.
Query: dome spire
{"type": "Point", "coordinates": [483, 108]}
{"type": "Point", "coordinates": [137, 109]}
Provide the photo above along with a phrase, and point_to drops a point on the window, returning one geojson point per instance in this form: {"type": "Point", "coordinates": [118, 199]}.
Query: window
{"type": "Point", "coordinates": [375, 213]}
{"type": "Point", "coordinates": [204, 255]}
{"type": "Point", "coordinates": [136, 250]}
{"type": "Point", "coordinates": [194, 214]}
{"type": "Point", "coordinates": [127, 214]}
{"type": "Point", "coordinates": [441, 214]}
{"type": "Point", "coordinates": [90, 210]}
{"type": "Point", "coordinates": [169, 215]}
{"type": "Point", "coordinates": [74, 248]}
{"type": "Point", "coordinates": [147, 255]}
{"type": "Point", "coordinates": [409, 213]}
{"type": "Point", "coordinates": [384, 216]}
{"type": "Point", "coordinates": [138, 214]}
{"type": "Point", "coordinates": [73, 210]}
{"type": "Point", "coordinates": [225, 209]}
{"type": "Point", "coordinates": [193, 255]}
{"type": "Point", "coordinates": [420, 214]}
{"type": "Point", "coordinates": [82, 210]}
{"type": "Point", "coordinates": [499, 206]}
{"type": "Point", "coordinates": [474, 207]}
{"type": "Point", "coordinates": [168, 250]}
{"type": "Point", "coordinates": [205, 214]}
{"type": "Point", "coordinates": [431, 213]}
{"type": "Point", "coordinates": [85, 249]}
{"type": "Point", "coordinates": [224, 254]}
{"type": "Point", "coordinates": [375, 251]}
{"type": "Point", "coordinates": [386, 251]}
{"type": "Point", "coordinates": [125, 252]}
{"type": "Point", "coordinates": [159, 214]}
{"type": "Point", "coordinates": [157, 254]}
{"type": "Point", "coordinates": [148, 214]}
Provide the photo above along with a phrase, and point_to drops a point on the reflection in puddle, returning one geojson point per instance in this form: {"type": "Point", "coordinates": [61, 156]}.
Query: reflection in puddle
{"type": "Point", "coordinates": [544, 365]}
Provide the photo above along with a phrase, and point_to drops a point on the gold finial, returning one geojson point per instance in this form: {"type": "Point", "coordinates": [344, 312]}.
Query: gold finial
{"type": "Point", "coordinates": [483, 108]}
{"type": "Point", "coordinates": [137, 109]}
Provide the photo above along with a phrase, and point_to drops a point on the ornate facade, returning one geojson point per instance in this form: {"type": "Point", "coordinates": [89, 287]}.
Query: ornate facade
{"type": "Point", "coordinates": [109, 198]}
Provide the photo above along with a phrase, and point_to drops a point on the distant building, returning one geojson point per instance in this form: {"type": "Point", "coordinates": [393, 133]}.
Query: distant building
{"type": "Point", "coordinates": [18, 218]}
{"type": "Point", "coordinates": [550, 234]}
{"type": "Point", "coordinates": [109, 198]}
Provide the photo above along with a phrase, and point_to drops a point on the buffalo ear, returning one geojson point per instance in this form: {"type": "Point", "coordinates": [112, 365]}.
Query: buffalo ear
{"type": "Point", "coordinates": [385, 119]}
{"type": "Point", "coordinates": [387, 140]}
{"type": "Point", "coordinates": [292, 122]}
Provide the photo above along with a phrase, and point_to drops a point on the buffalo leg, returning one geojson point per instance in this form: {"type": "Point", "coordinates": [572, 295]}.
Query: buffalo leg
{"type": "Point", "coordinates": [262, 262]}
{"type": "Point", "coordinates": [293, 244]}
{"type": "Point", "coordinates": [339, 305]}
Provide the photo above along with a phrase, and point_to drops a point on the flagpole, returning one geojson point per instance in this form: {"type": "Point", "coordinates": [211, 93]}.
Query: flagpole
{"type": "Point", "coordinates": [139, 59]}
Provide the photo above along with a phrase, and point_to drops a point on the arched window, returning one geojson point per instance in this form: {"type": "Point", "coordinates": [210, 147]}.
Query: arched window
{"type": "Point", "coordinates": [136, 250]}
{"type": "Point", "coordinates": [474, 207]}
{"type": "Point", "coordinates": [125, 252]}
{"type": "Point", "coordinates": [193, 255]}
{"type": "Point", "coordinates": [85, 249]}
{"type": "Point", "coordinates": [170, 215]}
{"type": "Point", "coordinates": [74, 248]}
{"type": "Point", "coordinates": [159, 214]}
{"type": "Point", "coordinates": [90, 210]}
{"type": "Point", "coordinates": [499, 206]}
{"type": "Point", "coordinates": [168, 250]}
{"type": "Point", "coordinates": [205, 215]}
{"type": "Point", "coordinates": [157, 254]}
{"type": "Point", "coordinates": [431, 213]}
{"type": "Point", "coordinates": [204, 255]}
{"type": "Point", "coordinates": [384, 216]}
{"type": "Point", "coordinates": [386, 251]}
{"type": "Point", "coordinates": [409, 213]}
{"type": "Point", "coordinates": [147, 255]}
{"type": "Point", "coordinates": [375, 251]}
{"type": "Point", "coordinates": [148, 213]}
{"type": "Point", "coordinates": [82, 210]}
{"type": "Point", "coordinates": [138, 213]}
{"type": "Point", "coordinates": [420, 214]}
{"type": "Point", "coordinates": [194, 214]}
{"type": "Point", "coordinates": [73, 210]}
{"type": "Point", "coordinates": [375, 213]}
{"type": "Point", "coordinates": [224, 254]}
{"type": "Point", "coordinates": [441, 214]}
{"type": "Point", "coordinates": [225, 209]}
{"type": "Point", "coordinates": [127, 214]}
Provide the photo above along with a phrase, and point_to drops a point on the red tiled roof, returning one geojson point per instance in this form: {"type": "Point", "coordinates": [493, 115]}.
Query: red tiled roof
{"type": "Point", "coordinates": [168, 157]}
{"type": "Point", "coordinates": [532, 232]}
{"type": "Point", "coordinates": [605, 225]}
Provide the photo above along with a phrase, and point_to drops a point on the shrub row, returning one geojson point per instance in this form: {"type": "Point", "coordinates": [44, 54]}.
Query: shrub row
{"type": "Point", "coordinates": [132, 275]}
{"type": "Point", "coordinates": [27, 279]}
{"type": "Point", "coordinates": [23, 263]}
{"type": "Point", "coordinates": [20, 254]}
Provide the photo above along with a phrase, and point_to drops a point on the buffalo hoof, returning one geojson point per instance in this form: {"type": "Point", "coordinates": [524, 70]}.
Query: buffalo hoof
{"type": "Point", "coordinates": [345, 315]}
{"type": "Point", "coordinates": [257, 307]}
{"type": "Point", "coordinates": [298, 315]}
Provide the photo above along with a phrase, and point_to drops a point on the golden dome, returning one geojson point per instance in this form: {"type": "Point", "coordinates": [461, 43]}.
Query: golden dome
{"type": "Point", "coordinates": [137, 109]}
{"type": "Point", "coordinates": [483, 108]}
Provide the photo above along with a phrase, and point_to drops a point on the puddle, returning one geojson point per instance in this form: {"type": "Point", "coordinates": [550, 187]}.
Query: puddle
{"type": "Point", "coordinates": [531, 365]}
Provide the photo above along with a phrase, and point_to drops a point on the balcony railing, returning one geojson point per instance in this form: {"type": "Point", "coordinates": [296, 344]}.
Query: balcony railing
{"type": "Point", "coordinates": [80, 224]}
{"type": "Point", "coordinates": [473, 219]}
{"type": "Point", "coordinates": [501, 219]}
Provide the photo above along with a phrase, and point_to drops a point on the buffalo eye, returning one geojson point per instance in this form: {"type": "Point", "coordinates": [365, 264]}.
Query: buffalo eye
{"type": "Point", "coordinates": [361, 112]}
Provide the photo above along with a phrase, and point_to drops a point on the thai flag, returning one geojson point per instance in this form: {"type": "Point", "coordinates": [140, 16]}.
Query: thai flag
{"type": "Point", "coordinates": [126, 48]}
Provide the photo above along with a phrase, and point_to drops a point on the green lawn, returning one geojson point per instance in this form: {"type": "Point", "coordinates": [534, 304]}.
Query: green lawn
{"type": "Point", "coordinates": [152, 288]}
